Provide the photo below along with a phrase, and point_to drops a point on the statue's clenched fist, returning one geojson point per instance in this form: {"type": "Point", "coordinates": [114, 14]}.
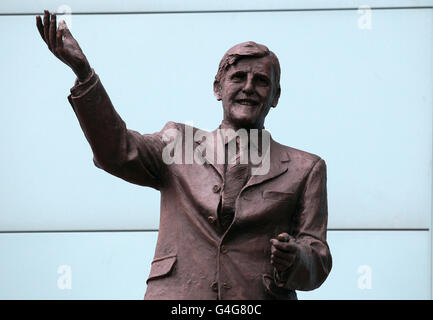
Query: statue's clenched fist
{"type": "Point", "coordinates": [283, 251]}
{"type": "Point", "coordinates": [63, 45]}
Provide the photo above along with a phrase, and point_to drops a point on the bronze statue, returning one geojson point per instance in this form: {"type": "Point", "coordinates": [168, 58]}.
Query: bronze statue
{"type": "Point", "coordinates": [248, 224]}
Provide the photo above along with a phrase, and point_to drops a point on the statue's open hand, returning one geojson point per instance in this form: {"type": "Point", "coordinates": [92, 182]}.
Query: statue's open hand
{"type": "Point", "coordinates": [63, 45]}
{"type": "Point", "coordinates": [283, 251]}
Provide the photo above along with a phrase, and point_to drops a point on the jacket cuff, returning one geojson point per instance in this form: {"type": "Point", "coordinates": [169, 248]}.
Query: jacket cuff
{"type": "Point", "coordinates": [80, 88]}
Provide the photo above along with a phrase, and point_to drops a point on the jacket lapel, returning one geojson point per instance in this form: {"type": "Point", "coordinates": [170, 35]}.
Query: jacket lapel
{"type": "Point", "coordinates": [278, 160]}
{"type": "Point", "coordinates": [208, 144]}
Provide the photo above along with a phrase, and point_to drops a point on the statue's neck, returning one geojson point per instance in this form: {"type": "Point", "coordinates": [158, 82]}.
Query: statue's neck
{"type": "Point", "coordinates": [225, 124]}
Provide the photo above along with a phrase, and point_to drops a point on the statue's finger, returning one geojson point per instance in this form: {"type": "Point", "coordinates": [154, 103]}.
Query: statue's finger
{"type": "Point", "coordinates": [282, 254]}
{"type": "Point", "coordinates": [281, 262]}
{"type": "Point", "coordinates": [46, 27]}
{"type": "Point", "coordinates": [52, 31]}
{"type": "Point", "coordinates": [40, 27]}
{"type": "Point", "coordinates": [59, 38]}
{"type": "Point", "coordinates": [284, 246]}
{"type": "Point", "coordinates": [286, 261]}
{"type": "Point", "coordinates": [278, 266]}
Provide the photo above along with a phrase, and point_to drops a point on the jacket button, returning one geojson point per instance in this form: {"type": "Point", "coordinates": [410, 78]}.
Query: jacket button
{"type": "Point", "coordinates": [223, 249]}
{"type": "Point", "coordinates": [216, 188]}
{"type": "Point", "coordinates": [211, 219]}
{"type": "Point", "coordinates": [214, 286]}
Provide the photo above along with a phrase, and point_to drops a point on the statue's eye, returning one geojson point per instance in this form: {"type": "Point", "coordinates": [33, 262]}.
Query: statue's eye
{"type": "Point", "coordinates": [262, 81]}
{"type": "Point", "coordinates": [238, 76]}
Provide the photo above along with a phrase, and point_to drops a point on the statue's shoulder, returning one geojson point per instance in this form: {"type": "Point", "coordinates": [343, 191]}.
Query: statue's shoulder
{"type": "Point", "coordinates": [300, 156]}
{"type": "Point", "coordinates": [171, 125]}
{"type": "Point", "coordinates": [182, 127]}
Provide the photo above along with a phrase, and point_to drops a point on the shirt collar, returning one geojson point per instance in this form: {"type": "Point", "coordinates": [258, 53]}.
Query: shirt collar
{"type": "Point", "coordinates": [228, 133]}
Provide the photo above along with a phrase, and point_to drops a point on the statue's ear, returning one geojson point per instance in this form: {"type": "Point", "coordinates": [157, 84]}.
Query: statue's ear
{"type": "Point", "coordinates": [217, 90]}
{"type": "Point", "coordinates": [277, 96]}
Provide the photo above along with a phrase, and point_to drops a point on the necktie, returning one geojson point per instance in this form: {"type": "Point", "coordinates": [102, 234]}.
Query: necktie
{"type": "Point", "coordinates": [236, 175]}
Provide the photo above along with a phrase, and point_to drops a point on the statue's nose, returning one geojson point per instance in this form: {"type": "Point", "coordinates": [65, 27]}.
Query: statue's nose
{"type": "Point", "coordinates": [248, 86]}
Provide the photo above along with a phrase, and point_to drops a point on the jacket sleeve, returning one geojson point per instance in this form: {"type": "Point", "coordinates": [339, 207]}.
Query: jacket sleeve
{"type": "Point", "coordinates": [124, 153]}
{"type": "Point", "coordinates": [313, 262]}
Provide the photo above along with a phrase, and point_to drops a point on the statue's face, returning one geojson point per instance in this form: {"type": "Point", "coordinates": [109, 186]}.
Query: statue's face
{"type": "Point", "coordinates": [248, 91]}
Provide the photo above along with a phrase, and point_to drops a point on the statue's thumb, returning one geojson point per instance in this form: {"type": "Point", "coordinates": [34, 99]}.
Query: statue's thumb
{"type": "Point", "coordinates": [284, 237]}
{"type": "Point", "coordinates": [64, 28]}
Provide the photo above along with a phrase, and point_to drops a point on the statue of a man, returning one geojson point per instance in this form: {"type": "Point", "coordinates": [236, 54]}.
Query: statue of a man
{"type": "Point", "coordinates": [242, 216]}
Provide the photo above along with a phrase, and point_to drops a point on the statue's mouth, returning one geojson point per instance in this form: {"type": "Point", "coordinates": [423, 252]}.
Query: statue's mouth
{"type": "Point", "coordinates": [247, 102]}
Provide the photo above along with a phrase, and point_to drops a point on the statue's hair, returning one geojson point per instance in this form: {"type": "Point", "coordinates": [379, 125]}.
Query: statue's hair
{"type": "Point", "coordinates": [248, 49]}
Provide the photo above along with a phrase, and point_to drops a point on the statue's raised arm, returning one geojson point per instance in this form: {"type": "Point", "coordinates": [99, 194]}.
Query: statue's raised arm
{"type": "Point", "coordinates": [124, 153]}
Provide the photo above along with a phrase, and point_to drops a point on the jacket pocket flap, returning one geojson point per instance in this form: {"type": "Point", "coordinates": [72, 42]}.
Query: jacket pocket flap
{"type": "Point", "coordinates": [278, 195]}
{"type": "Point", "coordinates": [161, 267]}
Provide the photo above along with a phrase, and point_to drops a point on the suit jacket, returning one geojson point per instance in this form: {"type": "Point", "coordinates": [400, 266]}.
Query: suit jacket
{"type": "Point", "coordinates": [193, 258]}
